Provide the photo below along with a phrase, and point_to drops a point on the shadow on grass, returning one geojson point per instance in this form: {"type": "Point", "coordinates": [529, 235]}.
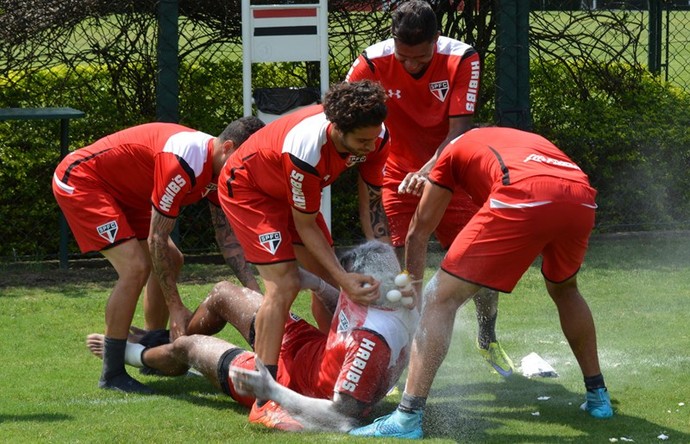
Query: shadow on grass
{"type": "Point", "coordinates": [476, 413]}
{"type": "Point", "coordinates": [35, 417]}
{"type": "Point", "coordinates": [195, 390]}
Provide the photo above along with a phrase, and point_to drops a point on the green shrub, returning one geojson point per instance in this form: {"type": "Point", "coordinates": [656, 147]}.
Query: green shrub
{"type": "Point", "coordinates": [628, 132]}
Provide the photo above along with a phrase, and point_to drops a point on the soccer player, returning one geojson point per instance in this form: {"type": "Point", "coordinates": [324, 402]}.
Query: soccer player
{"type": "Point", "coordinates": [270, 190]}
{"type": "Point", "coordinates": [326, 380]}
{"type": "Point", "coordinates": [534, 201]}
{"type": "Point", "coordinates": [432, 83]}
{"type": "Point", "coordinates": [121, 197]}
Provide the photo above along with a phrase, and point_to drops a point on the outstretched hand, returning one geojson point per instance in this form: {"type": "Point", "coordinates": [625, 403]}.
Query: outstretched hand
{"type": "Point", "coordinates": [257, 383]}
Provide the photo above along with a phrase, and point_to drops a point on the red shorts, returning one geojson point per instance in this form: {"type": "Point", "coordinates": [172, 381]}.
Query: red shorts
{"type": "Point", "coordinates": [510, 231]}
{"type": "Point", "coordinates": [96, 219]}
{"type": "Point", "coordinates": [300, 354]}
{"type": "Point", "coordinates": [401, 207]}
{"type": "Point", "coordinates": [263, 225]}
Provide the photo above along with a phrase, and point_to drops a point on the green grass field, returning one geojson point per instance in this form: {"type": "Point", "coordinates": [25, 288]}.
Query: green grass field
{"type": "Point", "coordinates": [638, 288]}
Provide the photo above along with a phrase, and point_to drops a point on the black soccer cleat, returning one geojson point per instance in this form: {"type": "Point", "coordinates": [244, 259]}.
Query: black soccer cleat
{"type": "Point", "coordinates": [126, 384]}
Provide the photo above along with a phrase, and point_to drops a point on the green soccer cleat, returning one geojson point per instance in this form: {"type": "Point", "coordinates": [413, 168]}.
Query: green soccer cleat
{"type": "Point", "coordinates": [497, 358]}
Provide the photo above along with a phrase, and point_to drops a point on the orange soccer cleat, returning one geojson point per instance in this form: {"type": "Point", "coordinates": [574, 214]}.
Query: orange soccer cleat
{"type": "Point", "coordinates": [273, 416]}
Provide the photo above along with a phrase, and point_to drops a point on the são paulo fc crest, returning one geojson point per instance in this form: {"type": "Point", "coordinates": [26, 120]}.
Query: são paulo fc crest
{"type": "Point", "coordinates": [353, 160]}
{"type": "Point", "coordinates": [343, 322]}
{"type": "Point", "coordinates": [108, 231]}
{"type": "Point", "coordinates": [270, 241]}
{"type": "Point", "coordinates": [439, 89]}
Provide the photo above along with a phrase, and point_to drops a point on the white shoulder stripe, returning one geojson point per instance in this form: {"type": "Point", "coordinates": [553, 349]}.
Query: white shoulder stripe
{"type": "Point", "coordinates": [448, 46]}
{"type": "Point", "coordinates": [305, 139]}
{"type": "Point", "coordinates": [190, 146]}
{"type": "Point", "coordinates": [381, 49]}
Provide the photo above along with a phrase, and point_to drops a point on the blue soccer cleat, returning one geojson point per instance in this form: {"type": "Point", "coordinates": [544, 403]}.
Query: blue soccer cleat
{"type": "Point", "coordinates": [598, 403]}
{"type": "Point", "coordinates": [396, 425]}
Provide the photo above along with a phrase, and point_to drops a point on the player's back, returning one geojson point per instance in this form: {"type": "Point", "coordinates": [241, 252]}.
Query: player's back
{"type": "Point", "coordinates": [483, 158]}
{"type": "Point", "coordinates": [123, 162]}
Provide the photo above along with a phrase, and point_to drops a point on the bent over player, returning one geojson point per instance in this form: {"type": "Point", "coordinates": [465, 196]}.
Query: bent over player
{"type": "Point", "coordinates": [270, 190]}
{"type": "Point", "coordinates": [325, 381]}
{"type": "Point", "coordinates": [433, 85]}
{"type": "Point", "coordinates": [534, 201]}
{"type": "Point", "coordinates": [121, 197]}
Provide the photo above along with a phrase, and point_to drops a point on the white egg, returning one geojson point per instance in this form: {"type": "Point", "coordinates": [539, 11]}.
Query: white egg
{"type": "Point", "coordinates": [394, 295]}
{"type": "Point", "coordinates": [402, 280]}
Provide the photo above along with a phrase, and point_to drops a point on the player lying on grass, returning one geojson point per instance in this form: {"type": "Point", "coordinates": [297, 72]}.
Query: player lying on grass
{"type": "Point", "coordinates": [325, 381]}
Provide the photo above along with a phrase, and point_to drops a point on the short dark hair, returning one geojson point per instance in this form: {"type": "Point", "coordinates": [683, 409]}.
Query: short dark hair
{"type": "Point", "coordinates": [414, 22]}
{"type": "Point", "coordinates": [353, 105]}
{"type": "Point", "coordinates": [239, 130]}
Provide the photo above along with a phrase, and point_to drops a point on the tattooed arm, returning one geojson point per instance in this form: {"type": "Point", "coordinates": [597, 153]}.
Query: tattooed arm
{"type": "Point", "coordinates": [371, 214]}
{"type": "Point", "coordinates": [231, 249]}
{"type": "Point", "coordinates": [166, 261]}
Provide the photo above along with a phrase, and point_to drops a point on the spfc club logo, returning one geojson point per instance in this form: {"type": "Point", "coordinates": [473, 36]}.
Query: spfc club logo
{"type": "Point", "coordinates": [439, 89]}
{"type": "Point", "coordinates": [108, 231]}
{"type": "Point", "coordinates": [354, 160]}
{"type": "Point", "coordinates": [270, 241]}
{"type": "Point", "coordinates": [343, 322]}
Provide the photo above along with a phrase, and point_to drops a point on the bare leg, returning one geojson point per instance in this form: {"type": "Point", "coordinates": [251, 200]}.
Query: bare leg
{"type": "Point", "coordinates": [226, 303]}
{"type": "Point", "coordinates": [132, 265]}
{"type": "Point", "coordinates": [132, 268]}
{"type": "Point", "coordinates": [282, 285]}
{"type": "Point", "coordinates": [160, 358]}
{"type": "Point", "coordinates": [577, 324]}
{"type": "Point", "coordinates": [156, 312]}
{"type": "Point", "coordinates": [435, 330]}
{"type": "Point", "coordinates": [201, 352]}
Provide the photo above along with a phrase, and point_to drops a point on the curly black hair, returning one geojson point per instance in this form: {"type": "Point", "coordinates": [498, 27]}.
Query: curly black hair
{"type": "Point", "coordinates": [353, 105]}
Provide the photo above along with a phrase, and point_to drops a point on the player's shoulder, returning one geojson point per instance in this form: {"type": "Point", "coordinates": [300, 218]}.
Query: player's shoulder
{"type": "Point", "coordinates": [380, 50]}
{"type": "Point", "coordinates": [452, 47]}
{"type": "Point", "coordinates": [306, 137]}
{"type": "Point", "coordinates": [160, 127]}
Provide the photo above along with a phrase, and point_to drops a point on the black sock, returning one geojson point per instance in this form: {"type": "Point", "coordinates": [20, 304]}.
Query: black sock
{"type": "Point", "coordinates": [487, 330]}
{"type": "Point", "coordinates": [273, 370]}
{"type": "Point", "coordinates": [410, 404]}
{"type": "Point", "coordinates": [594, 382]}
{"type": "Point", "coordinates": [113, 358]}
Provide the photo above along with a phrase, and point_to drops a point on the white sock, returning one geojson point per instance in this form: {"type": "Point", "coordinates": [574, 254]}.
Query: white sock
{"type": "Point", "coordinates": [133, 353]}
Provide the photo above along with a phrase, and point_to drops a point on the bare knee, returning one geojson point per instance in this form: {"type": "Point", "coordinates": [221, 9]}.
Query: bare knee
{"type": "Point", "coordinates": [135, 269]}
{"type": "Point", "coordinates": [566, 289]}
{"type": "Point", "coordinates": [283, 293]}
{"type": "Point", "coordinates": [181, 346]}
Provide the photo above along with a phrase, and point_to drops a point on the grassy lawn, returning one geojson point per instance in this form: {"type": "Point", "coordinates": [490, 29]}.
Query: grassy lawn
{"type": "Point", "coordinates": [637, 287]}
